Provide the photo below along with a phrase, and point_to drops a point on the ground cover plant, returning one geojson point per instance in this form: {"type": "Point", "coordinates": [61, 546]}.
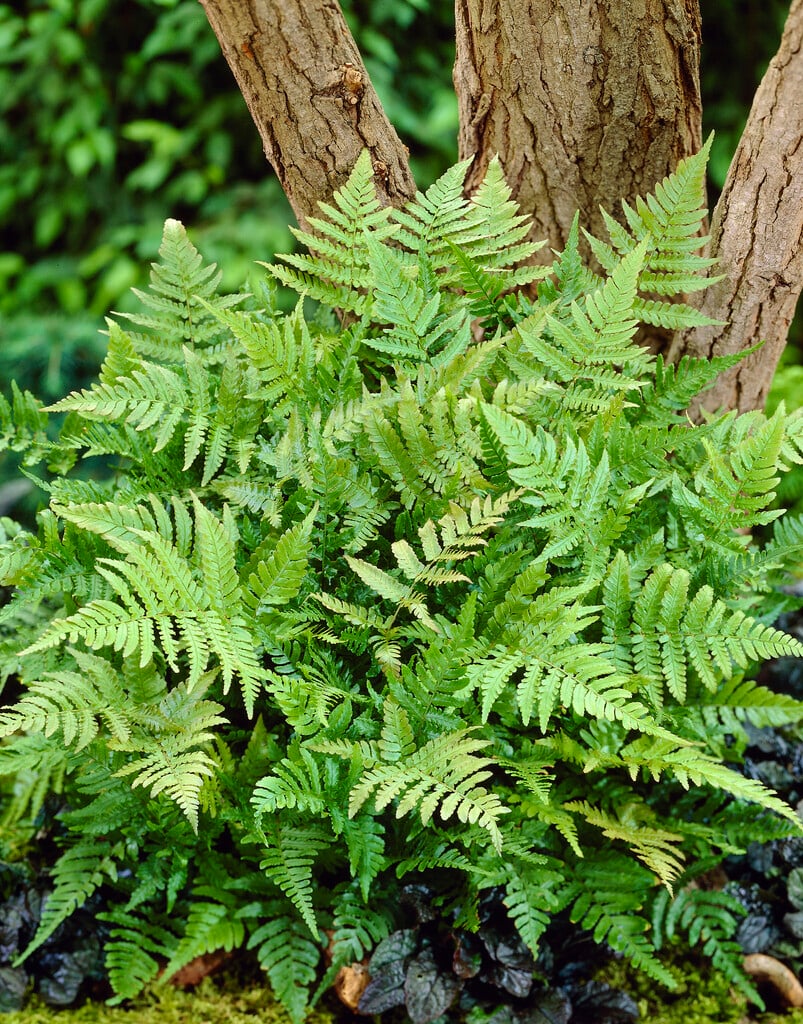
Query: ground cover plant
{"type": "Point", "coordinates": [431, 581]}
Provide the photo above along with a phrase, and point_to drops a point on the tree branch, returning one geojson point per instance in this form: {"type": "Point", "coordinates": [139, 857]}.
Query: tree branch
{"type": "Point", "coordinates": [310, 96]}
{"type": "Point", "coordinates": [757, 235]}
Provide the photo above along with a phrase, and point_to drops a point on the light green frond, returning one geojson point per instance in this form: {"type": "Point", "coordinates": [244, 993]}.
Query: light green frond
{"type": "Point", "coordinates": [295, 784]}
{"type": "Point", "coordinates": [657, 848]}
{"type": "Point", "coordinates": [134, 951]}
{"type": "Point", "coordinates": [210, 926]}
{"type": "Point", "coordinates": [357, 927]}
{"type": "Point", "coordinates": [673, 631]}
{"type": "Point", "coordinates": [337, 273]}
{"type": "Point", "coordinates": [179, 774]}
{"type": "Point", "coordinates": [444, 774]}
{"type": "Point", "coordinates": [288, 857]}
{"type": "Point", "coordinates": [429, 219]}
{"type": "Point", "coordinates": [182, 290]}
{"type": "Point", "coordinates": [709, 920]}
{"type": "Point", "coordinates": [610, 897]}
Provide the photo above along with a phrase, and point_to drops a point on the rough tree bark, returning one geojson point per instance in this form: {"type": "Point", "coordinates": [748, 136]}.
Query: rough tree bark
{"type": "Point", "coordinates": [757, 235]}
{"type": "Point", "coordinates": [586, 103]}
{"type": "Point", "coordinates": [311, 99]}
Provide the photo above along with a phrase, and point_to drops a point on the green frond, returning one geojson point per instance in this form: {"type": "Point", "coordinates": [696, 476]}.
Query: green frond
{"type": "Point", "coordinates": [289, 853]}
{"type": "Point", "coordinates": [429, 218]}
{"type": "Point", "coordinates": [338, 275]}
{"type": "Point", "coordinates": [531, 899]}
{"type": "Point", "coordinates": [295, 784]}
{"type": "Point", "coordinates": [672, 632]}
{"type": "Point", "coordinates": [444, 774]}
{"type": "Point", "coordinates": [158, 593]}
{"type": "Point", "coordinates": [182, 290]}
{"type": "Point", "coordinates": [494, 231]}
{"type": "Point", "coordinates": [23, 426]}
{"type": "Point", "coordinates": [73, 705]}
{"type": "Point", "coordinates": [76, 875]}
{"type": "Point", "coordinates": [675, 385]}
{"type": "Point", "coordinates": [708, 919]}
{"type": "Point", "coordinates": [364, 836]}
{"type": "Point", "coordinates": [176, 772]}
{"type": "Point", "coordinates": [738, 699]}
{"type": "Point", "coordinates": [134, 951]}
{"type": "Point", "coordinates": [290, 959]}
{"type": "Point", "coordinates": [655, 847]}
{"type": "Point", "coordinates": [609, 901]}
{"type": "Point", "coordinates": [694, 767]}
{"type": "Point", "coordinates": [357, 927]}
{"type": "Point", "coordinates": [210, 926]}
{"type": "Point", "coordinates": [738, 488]}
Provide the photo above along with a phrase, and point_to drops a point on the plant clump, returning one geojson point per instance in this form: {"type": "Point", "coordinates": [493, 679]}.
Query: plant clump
{"type": "Point", "coordinates": [444, 589]}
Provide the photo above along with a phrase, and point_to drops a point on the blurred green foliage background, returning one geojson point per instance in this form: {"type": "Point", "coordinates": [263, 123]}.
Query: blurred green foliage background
{"type": "Point", "coordinates": [114, 116]}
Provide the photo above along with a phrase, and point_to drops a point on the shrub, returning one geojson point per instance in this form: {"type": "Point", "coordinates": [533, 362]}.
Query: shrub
{"type": "Point", "coordinates": [382, 595]}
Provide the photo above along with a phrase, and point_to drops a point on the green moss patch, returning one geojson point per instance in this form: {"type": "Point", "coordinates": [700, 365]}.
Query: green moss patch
{"type": "Point", "coordinates": [209, 1003]}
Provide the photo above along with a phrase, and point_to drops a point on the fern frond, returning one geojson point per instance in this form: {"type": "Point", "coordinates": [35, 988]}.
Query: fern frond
{"type": "Point", "coordinates": [709, 920]}
{"type": "Point", "coordinates": [182, 289]}
{"type": "Point", "coordinates": [289, 957]}
{"type": "Point", "coordinates": [77, 874]}
{"type": "Point", "coordinates": [295, 784]}
{"type": "Point", "coordinates": [210, 926]}
{"type": "Point", "coordinates": [444, 774]}
{"type": "Point", "coordinates": [288, 857]}
{"type": "Point", "coordinates": [532, 896]}
{"type": "Point", "coordinates": [339, 275]}
{"type": "Point", "coordinates": [672, 631]}
{"type": "Point", "coordinates": [158, 590]}
{"type": "Point", "coordinates": [654, 847]}
{"type": "Point", "coordinates": [133, 951]}
{"type": "Point", "coordinates": [357, 928]}
{"type": "Point", "coordinates": [611, 896]}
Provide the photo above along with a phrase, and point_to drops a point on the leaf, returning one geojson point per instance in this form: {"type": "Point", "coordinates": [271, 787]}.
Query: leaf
{"type": "Point", "coordinates": [279, 569]}
{"type": "Point", "coordinates": [428, 990]}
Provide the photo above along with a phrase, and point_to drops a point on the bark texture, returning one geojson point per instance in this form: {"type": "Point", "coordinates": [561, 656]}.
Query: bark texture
{"type": "Point", "coordinates": [309, 94]}
{"type": "Point", "coordinates": [757, 235]}
{"type": "Point", "coordinates": [585, 102]}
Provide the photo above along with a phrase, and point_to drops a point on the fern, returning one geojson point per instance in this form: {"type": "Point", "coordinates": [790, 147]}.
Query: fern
{"type": "Point", "coordinates": [77, 874]}
{"type": "Point", "coordinates": [421, 783]}
{"type": "Point", "coordinates": [357, 927]}
{"type": "Point", "coordinates": [289, 957]}
{"type": "Point", "coordinates": [709, 920]}
{"type": "Point", "coordinates": [392, 592]}
{"type": "Point", "coordinates": [287, 861]}
{"type": "Point", "coordinates": [338, 272]}
{"type": "Point", "coordinates": [210, 926]}
{"type": "Point", "coordinates": [180, 286]}
{"type": "Point", "coordinates": [133, 951]}
{"type": "Point", "coordinates": [608, 904]}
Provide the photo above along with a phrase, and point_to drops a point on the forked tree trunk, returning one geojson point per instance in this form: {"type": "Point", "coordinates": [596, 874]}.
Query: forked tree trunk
{"type": "Point", "coordinates": [586, 103]}
{"type": "Point", "coordinates": [757, 235]}
{"type": "Point", "coordinates": [306, 87]}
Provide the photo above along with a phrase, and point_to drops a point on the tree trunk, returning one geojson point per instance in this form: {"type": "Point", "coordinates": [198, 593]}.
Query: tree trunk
{"type": "Point", "coordinates": [309, 94]}
{"type": "Point", "coordinates": [585, 103]}
{"type": "Point", "coordinates": [757, 235]}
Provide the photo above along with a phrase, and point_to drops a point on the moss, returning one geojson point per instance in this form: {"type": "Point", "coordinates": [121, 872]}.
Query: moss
{"type": "Point", "coordinates": [703, 996]}
{"type": "Point", "coordinates": [209, 1003]}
